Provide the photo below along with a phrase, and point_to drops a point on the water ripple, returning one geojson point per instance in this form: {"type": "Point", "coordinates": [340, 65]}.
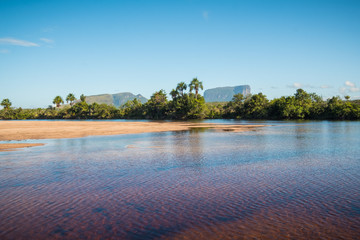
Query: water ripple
{"type": "Point", "coordinates": [207, 185]}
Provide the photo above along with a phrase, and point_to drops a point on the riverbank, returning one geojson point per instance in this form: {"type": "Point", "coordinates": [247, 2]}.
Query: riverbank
{"type": "Point", "coordinates": [22, 130]}
{"type": "Point", "coordinates": [5, 147]}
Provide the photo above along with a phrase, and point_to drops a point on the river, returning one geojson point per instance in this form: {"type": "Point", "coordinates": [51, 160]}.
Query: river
{"type": "Point", "coordinates": [287, 180]}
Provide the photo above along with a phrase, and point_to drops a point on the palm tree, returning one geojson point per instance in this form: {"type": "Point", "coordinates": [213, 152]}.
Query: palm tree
{"type": "Point", "coordinates": [6, 103]}
{"type": "Point", "coordinates": [174, 93]}
{"type": "Point", "coordinates": [58, 101]}
{"type": "Point", "coordinates": [82, 97]}
{"type": "Point", "coordinates": [70, 98]}
{"type": "Point", "coordinates": [181, 87]}
{"type": "Point", "coordinates": [196, 84]}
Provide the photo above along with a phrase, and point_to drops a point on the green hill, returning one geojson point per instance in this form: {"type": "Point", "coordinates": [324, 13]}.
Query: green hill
{"type": "Point", "coordinates": [357, 101]}
{"type": "Point", "coordinates": [116, 99]}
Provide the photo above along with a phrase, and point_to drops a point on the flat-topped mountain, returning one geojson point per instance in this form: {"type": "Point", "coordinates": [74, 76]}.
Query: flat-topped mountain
{"type": "Point", "coordinates": [225, 94]}
{"type": "Point", "coordinates": [116, 99]}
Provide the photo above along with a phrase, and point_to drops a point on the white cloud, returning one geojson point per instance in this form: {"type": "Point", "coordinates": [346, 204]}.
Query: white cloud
{"type": "Point", "coordinates": [295, 85]}
{"type": "Point", "coordinates": [17, 42]}
{"type": "Point", "coordinates": [349, 84]}
{"type": "Point", "coordinates": [205, 15]}
{"type": "Point", "coordinates": [354, 89]}
{"type": "Point", "coordinates": [325, 86]}
{"type": "Point", "coordinates": [47, 40]}
{"type": "Point", "coordinates": [350, 87]}
{"type": "Point", "coordinates": [298, 85]}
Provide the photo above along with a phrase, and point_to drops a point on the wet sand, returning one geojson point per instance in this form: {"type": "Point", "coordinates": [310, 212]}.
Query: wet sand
{"type": "Point", "coordinates": [22, 130]}
{"type": "Point", "coordinates": [13, 146]}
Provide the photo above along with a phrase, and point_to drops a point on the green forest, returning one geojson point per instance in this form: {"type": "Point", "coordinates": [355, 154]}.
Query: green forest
{"type": "Point", "coordinates": [186, 103]}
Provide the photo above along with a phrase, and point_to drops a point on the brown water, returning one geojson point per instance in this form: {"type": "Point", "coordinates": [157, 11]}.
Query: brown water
{"type": "Point", "coordinates": [288, 181]}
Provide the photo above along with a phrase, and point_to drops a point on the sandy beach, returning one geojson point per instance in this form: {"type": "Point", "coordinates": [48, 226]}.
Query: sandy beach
{"type": "Point", "coordinates": [22, 130]}
{"type": "Point", "coordinates": [11, 146]}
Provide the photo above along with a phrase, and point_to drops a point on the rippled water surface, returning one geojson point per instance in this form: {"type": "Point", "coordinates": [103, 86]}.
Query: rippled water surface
{"type": "Point", "coordinates": [287, 180]}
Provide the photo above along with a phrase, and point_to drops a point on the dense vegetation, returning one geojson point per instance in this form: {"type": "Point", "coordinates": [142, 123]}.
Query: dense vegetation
{"type": "Point", "coordinates": [191, 105]}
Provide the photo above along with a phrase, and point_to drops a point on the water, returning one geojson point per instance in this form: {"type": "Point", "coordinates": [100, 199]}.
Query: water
{"type": "Point", "coordinates": [287, 180]}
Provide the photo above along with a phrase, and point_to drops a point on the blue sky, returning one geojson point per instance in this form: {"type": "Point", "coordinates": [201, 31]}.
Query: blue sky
{"type": "Point", "coordinates": [50, 48]}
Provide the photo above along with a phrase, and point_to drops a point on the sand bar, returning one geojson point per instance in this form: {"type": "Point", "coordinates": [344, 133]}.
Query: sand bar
{"type": "Point", "coordinates": [22, 130]}
{"type": "Point", "coordinates": [5, 147]}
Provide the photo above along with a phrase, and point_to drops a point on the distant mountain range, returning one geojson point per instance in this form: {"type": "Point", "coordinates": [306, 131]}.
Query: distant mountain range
{"type": "Point", "coordinates": [225, 94]}
{"type": "Point", "coordinates": [116, 99]}
{"type": "Point", "coordinates": [219, 94]}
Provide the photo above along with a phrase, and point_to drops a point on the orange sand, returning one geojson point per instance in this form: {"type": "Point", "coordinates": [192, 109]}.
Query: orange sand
{"type": "Point", "coordinates": [11, 146]}
{"type": "Point", "coordinates": [21, 130]}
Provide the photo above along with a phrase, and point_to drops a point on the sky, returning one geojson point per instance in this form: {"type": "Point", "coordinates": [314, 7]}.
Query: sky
{"type": "Point", "coordinates": [50, 48]}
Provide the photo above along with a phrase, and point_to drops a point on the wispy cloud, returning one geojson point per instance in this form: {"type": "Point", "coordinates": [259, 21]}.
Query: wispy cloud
{"type": "Point", "coordinates": [295, 85]}
{"type": "Point", "coordinates": [342, 90]}
{"type": "Point", "coordinates": [4, 51]}
{"type": "Point", "coordinates": [350, 87]}
{"type": "Point", "coordinates": [300, 85]}
{"type": "Point", "coordinates": [205, 15]}
{"type": "Point", "coordinates": [17, 42]}
{"type": "Point", "coordinates": [47, 40]}
{"type": "Point", "coordinates": [48, 29]}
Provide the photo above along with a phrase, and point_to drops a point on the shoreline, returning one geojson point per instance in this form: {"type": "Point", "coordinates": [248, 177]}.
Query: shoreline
{"type": "Point", "coordinates": [8, 147]}
{"type": "Point", "coordinates": [23, 130]}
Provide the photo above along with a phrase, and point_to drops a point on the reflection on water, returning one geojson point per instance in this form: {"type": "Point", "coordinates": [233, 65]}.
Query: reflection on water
{"type": "Point", "coordinates": [287, 180]}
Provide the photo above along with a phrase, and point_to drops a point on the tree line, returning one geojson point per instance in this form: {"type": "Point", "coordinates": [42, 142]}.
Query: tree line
{"type": "Point", "coordinates": [190, 104]}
